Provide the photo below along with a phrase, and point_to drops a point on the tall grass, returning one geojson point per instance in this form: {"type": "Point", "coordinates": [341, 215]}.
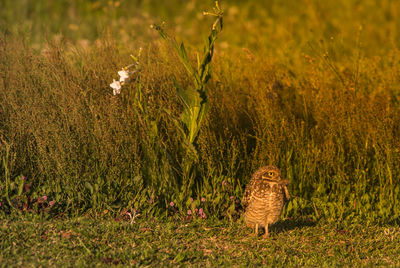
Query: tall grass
{"type": "Point", "coordinates": [328, 117]}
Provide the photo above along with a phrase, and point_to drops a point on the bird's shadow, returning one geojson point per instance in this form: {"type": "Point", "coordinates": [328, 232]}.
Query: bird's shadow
{"type": "Point", "coordinates": [290, 224]}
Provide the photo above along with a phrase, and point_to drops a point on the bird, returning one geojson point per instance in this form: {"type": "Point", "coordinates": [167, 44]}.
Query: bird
{"type": "Point", "coordinates": [264, 198]}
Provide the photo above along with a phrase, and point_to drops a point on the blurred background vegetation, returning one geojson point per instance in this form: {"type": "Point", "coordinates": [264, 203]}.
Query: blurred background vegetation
{"type": "Point", "coordinates": [309, 86]}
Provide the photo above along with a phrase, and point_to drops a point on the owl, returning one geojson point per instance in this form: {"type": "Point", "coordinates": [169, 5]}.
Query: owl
{"type": "Point", "coordinates": [264, 198]}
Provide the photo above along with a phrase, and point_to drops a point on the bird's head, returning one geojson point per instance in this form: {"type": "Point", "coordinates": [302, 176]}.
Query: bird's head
{"type": "Point", "coordinates": [271, 174]}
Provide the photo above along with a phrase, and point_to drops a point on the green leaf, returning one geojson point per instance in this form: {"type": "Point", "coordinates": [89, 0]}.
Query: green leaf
{"type": "Point", "coordinates": [189, 97]}
{"type": "Point", "coordinates": [154, 128]}
{"type": "Point", "coordinates": [21, 185]}
{"type": "Point", "coordinates": [203, 112]}
{"type": "Point", "coordinates": [180, 257]}
{"type": "Point", "coordinates": [183, 52]}
{"type": "Point", "coordinates": [89, 187]}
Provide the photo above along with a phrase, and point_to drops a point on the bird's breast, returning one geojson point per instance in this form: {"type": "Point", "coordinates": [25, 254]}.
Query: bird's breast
{"type": "Point", "coordinates": [265, 205]}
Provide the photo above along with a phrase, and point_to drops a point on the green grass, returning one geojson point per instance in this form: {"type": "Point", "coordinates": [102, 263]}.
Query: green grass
{"type": "Point", "coordinates": [291, 85]}
{"type": "Point", "coordinates": [88, 242]}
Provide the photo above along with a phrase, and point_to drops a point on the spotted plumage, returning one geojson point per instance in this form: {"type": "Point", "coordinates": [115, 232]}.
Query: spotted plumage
{"type": "Point", "coordinates": [264, 198]}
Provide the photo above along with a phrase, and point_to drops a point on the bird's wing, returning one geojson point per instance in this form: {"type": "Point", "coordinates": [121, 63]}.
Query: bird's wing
{"type": "Point", "coordinates": [284, 184]}
{"type": "Point", "coordinates": [247, 193]}
{"type": "Point", "coordinates": [286, 191]}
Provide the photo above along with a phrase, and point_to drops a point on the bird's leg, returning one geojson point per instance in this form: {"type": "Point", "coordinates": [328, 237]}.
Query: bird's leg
{"type": "Point", "coordinates": [266, 235]}
{"type": "Point", "coordinates": [256, 229]}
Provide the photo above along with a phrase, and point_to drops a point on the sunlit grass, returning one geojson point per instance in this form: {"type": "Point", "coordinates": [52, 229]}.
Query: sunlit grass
{"type": "Point", "coordinates": [290, 86]}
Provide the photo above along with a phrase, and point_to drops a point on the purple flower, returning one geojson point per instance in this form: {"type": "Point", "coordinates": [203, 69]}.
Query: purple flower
{"type": "Point", "coordinates": [189, 212]}
{"type": "Point", "coordinates": [202, 214]}
{"type": "Point", "coordinates": [151, 200]}
{"type": "Point", "coordinates": [203, 199]}
{"type": "Point", "coordinates": [23, 177]}
{"type": "Point", "coordinates": [0, 204]}
{"type": "Point", "coordinates": [196, 210]}
{"type": "Point", "coordinates": [224, 183]}
{"type": "Point", "coordinates": [231, 197]}
{"type": "Point", "coordinates": [51, 203]}
{"type": "Point", "coordinates": [172, 204]}
{"type": "Point", "coordinates": [44, 198]}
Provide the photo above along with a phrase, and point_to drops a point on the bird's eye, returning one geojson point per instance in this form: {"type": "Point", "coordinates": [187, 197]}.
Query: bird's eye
{"type": "Point", "coordinates": [270, 173]}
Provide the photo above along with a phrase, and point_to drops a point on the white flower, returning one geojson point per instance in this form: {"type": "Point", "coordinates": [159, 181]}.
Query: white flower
{"type": "Point", "coordinates": [116, 86]}
{"type": "Point", "coordinates": [123, 75]}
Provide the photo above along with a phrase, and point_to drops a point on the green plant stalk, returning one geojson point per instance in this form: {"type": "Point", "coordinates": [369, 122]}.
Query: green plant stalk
{"type": "Point", "coordinates": [194, 100]}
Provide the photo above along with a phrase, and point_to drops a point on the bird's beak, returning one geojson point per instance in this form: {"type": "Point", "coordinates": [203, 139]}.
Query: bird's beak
{"type": "Point", "coordinates": [267, 178]}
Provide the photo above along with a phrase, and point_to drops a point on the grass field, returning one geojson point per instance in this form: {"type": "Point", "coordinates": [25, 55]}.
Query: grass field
{"type": "Point", "coordinates": [311, 88]}
{"type": "Point", "coordinates": [89, 242]}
